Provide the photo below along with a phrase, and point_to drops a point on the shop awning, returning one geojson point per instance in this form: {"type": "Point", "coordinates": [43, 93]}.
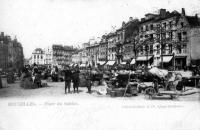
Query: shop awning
{"type": "Point", "coordinates": [101, 62]}
{"type": "Point", "coordinates": [167, 59]}
{"type": "Point", "coordinates": [132, 62]}
{"type": "Point", "coordinates": [83, 65]}
{"type": "Point", "coordinates": [143, 58]}
{"type": "Point", "coordinates": [110, 63]}
{"type": "Point", "coordinates": [123, 63]}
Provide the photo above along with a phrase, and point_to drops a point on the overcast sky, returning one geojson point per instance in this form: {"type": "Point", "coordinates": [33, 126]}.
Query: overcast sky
{"type": "Point", "coordinates": [41, 23]}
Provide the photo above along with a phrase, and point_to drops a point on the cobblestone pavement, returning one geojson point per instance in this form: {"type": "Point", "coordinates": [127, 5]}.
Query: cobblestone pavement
{"type": "Point", "coordinates": [49, 109]}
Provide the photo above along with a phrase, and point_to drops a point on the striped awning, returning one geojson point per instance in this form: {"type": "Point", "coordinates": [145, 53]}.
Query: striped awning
{"type": "Point", "coordinates": [132, 62]}
{"type": "Point", "coordinates": [123, 63]}
{"type": "Point", "coordinates": [143, 58]}
{"type": "Point", "coordinates": [167, 59]}
{"type": "Point", "coordinates": [101, 62]}
{"type": "Point", "coordinates": [110, 63]}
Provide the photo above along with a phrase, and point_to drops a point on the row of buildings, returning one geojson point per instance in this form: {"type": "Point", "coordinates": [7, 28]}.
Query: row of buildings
{"type": "Point", "coordinates": [55, 55]}
{"type": "Point", "coordinates": [167, 39]}
{"type": "Point", "coordinates": [11, 53]}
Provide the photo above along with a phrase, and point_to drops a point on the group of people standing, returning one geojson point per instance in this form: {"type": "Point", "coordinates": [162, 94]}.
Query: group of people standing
{"type": "Point", "coordinates": [72, 76]}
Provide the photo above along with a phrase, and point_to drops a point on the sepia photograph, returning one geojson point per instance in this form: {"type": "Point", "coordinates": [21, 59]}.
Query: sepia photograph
{"type": "Point", "coordinates": [99, 64]}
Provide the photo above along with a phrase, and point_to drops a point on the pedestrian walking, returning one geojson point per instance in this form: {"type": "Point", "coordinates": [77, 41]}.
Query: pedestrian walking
{"type": "Point", "coordinates": [89, 81]}
{"type": "Point", "coordinates": [75, 79]}
{"type": "Point", "coordinates": [68, 79]}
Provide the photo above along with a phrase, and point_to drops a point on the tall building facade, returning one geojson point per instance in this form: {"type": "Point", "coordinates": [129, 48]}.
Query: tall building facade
{"type": "Point", "coordinates": [38, 57]}
{"type": "Point", "coordinates": [11, 53]}
{"type": "Point", "coordinates": [62, 55]}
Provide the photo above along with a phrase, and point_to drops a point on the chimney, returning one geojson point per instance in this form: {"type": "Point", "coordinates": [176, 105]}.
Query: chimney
{"type": "Point", "coordinates": [123, 23]}
{"type": "Point", "coordinates": [162, 13]}
{"type": "Point", "coordinates": [130, 19]}
{"type": "Point", "coordinates": [196, 16]}
{"type": "Point", "coordinates": [183, 11]}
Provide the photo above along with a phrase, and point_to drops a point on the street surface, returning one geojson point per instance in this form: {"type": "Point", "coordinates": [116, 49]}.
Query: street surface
{"type": "Point", "coordinates": [49, 109]}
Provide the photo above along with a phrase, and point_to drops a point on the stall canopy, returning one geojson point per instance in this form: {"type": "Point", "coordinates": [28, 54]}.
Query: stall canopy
{"type": "Point", "coordinates": [71, 65]}
{"type": "Point", "coordinates": [101, 62]}
{"type": "Point", "coordinates": [167, 59]}
{"type": "Point", "coordinates": [83, 65]}
{"type": "Point", "coordinates": [123, 63]}
{"type": "Point", "coordinates": [132, 62]}
{"type": "Point", "coordinates": [159, 72]}
{"type": "Point", "coordinates": [143, 58]}
{"type": "Point", "coordinates": [110, 63]}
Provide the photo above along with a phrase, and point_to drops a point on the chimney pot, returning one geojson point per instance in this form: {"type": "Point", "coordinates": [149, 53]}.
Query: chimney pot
{"type": "Point", "coordinates": [130, 18]}
{"type": "Point", "coordinates": [183, 11]}
{"type": "Point", "coordinates": [162, 13]}
{"type": "Point", "coordinates": [123, 23]}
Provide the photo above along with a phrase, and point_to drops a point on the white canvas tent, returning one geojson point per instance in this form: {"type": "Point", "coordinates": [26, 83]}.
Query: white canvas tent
{"type": "Point", "coordinates": [158, 72]}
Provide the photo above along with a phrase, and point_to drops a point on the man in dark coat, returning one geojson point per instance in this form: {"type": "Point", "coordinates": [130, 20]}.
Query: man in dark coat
{"type": "Point", "coordinates": [75, 79]}
{"type": "Point", "coordinates": [88, 77]}
{"type": "Point", "coordinates": [68, 78]}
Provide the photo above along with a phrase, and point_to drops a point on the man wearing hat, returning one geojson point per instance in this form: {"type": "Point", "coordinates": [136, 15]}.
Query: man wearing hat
{"type": "Point", "coordinates": [68, 79]}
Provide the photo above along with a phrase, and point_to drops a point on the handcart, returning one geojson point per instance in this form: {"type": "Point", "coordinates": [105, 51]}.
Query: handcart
{"type": "Point", "coordinates": [170, 85]}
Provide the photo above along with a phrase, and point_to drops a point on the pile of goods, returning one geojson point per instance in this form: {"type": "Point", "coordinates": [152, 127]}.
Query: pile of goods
{"type": "Point", "coordinates": [121, 85]}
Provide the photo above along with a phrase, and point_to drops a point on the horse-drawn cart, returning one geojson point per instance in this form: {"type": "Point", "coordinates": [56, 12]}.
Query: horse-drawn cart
{"type": "Point", "coordinates": [172, 85]}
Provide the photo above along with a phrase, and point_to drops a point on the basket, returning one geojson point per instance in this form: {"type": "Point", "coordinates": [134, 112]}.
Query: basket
{"type": "Point", "coordinates": [112, 93]}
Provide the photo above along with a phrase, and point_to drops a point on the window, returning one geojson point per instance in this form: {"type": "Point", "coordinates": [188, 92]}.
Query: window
{"type": "Point", "coordinates": [147, 28]}
{"type": "Point", "coordinates": [182, 24]}
{"type": "Point", "coordinates": [34, 56]}
{"type": "Point", "coordinates": [179, 49]}
{"type": "Point", "coordinates": [170, 49]}
{"type": "Point", "coordinates": [164, 25]}
{"type": "Point", "coordinates": [38, 56]}
{"type": "Point", "coordinates": [141, 29]}
{"type": "Point", "coordinates": [151, 37]}
{"type": "Point", "coordinates": [141, 50]}
{"type": "Point", "coordinates": [163, 35]}
{"type": "Point", "coordinates": [184, 49]}
{"type": "Point", "coordinates": [151, 49]}
{"type": "Point", "coordinates": [146, 49]}
{"type": "Point", "coordinates": [158, 37]}
{"type": "Point", "coordinates": [170, 24]}
{"type": "Point", "coordinates": [171, 35]}
{"type": "Point", "coordinates": [151, 27]}
{"type": "Point", "coordinates": [41, 57]}
{"type": "Point", "coordinates": [179, 36]}
{"type": "Point", "coordinates": [163, 49]}
{"type": "Point", "coordinates": [158, 49]}
{"type": "Point", "coordinates": [184, 35]}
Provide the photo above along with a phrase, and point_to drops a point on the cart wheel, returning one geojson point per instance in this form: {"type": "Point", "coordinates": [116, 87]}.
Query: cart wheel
{"type": "Point", "coordinates": [150, 92]}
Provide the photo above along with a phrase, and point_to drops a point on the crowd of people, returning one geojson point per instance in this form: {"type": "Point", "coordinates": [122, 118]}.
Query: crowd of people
{"type": "Point", "coordinates": [70, 75]}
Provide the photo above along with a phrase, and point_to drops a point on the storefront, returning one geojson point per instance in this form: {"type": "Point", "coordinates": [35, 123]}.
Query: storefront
{"type": "Point", "coordinates": [144, 60]}
{"type": "Point", "coordinates": [110, 64]}
{"type": "Point", "coordinates": [100, 64]}
{"type": "Point", "coordinates": [167, 62]}
{"type": "Point", "coordinates": [180, 62]}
